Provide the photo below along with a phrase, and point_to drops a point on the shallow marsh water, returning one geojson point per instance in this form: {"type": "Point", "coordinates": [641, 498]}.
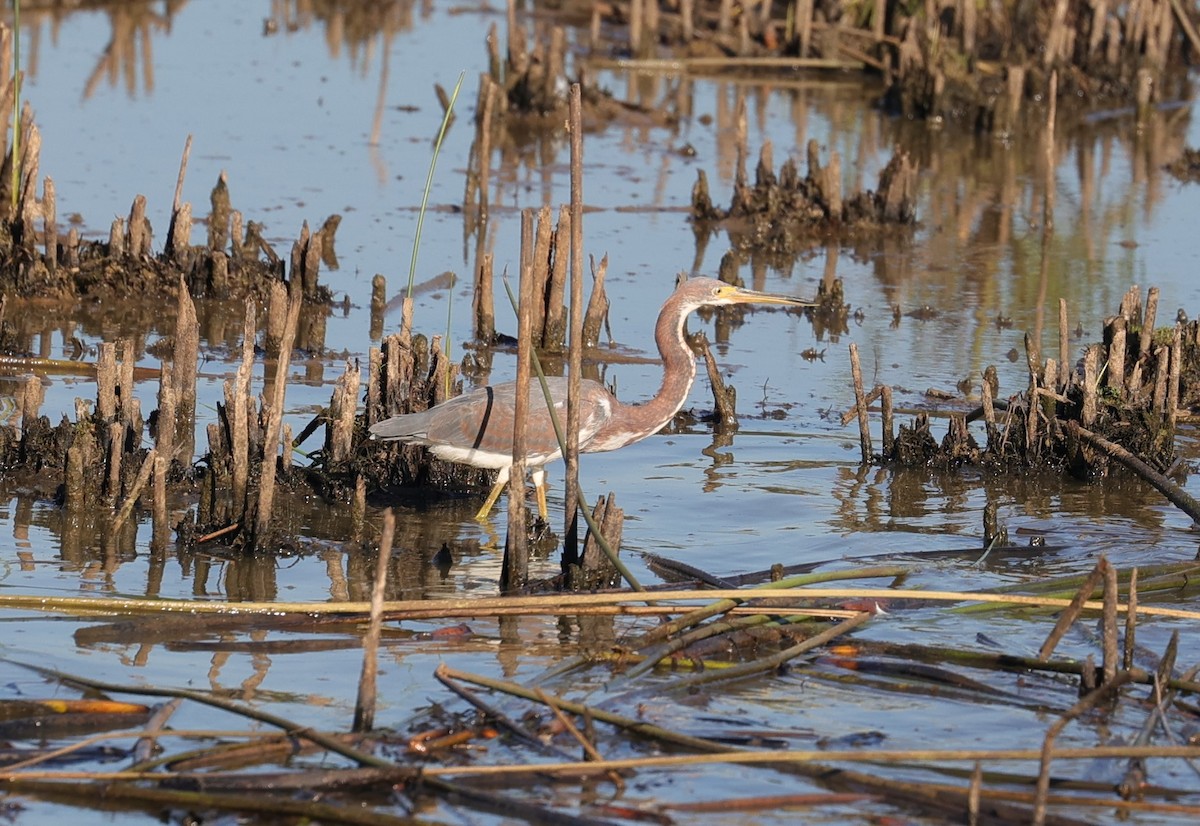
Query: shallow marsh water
{"type": "Point", "coordinates": [289, 116]}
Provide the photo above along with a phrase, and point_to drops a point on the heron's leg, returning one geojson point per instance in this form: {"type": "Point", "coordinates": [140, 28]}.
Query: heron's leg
{"type": "Point", "coordinates": [501, 481]}
{"type": "Point", "coordinates": [539, 486]}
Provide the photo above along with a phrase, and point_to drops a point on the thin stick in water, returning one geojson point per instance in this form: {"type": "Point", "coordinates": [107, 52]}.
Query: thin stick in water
{"type": "Point", "coordinates": [364, 707]}
{"type": "Point", "coordinates": [860, 404]}
{"type": "Point", "coordinates": [515, 570]}
{"type": "Point", "coordinates": [575, 351]}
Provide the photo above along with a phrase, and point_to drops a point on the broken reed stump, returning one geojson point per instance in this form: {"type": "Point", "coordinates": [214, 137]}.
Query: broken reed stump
{"type": "Point", "coordinates": [724, 414]}
{"type": "Point", "coordinates": [524, 92]}
{"type": "Point", "coordinates": [592, 570]}
{"type": "Point", "coordinates": [595, 571]}
{"type": "Point", "coordinates": [1126, 393]}
{"type": "Point", "coordinates": [272, 412]}
{"type": "Point", "coordinates": [107, 447]}
{"type": "Point", "coordinates": [549, 258]}
{"type": "Point", "coordinates": [1107, 56]}
{"type": "Point", "coordinates": [243, 462]}
{"type": "Point", "coordinates": [234, 262]}
{"type": "Point", "coordinates": [408, 374]}
{"type": "Point", "coordinates": [514, 571]}
{"type": "Point", "coordinates": [98, 460]}
{"type": "Point", "coordinates": [531, 77]}
{"type": "Point", "coordinates": [783, 214]}
{"type": "Point", "coordinates": [595, 317]}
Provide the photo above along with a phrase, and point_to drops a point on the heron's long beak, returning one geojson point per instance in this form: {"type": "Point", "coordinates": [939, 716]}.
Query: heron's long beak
{"type": "Point", "coordinates": [740, 295]}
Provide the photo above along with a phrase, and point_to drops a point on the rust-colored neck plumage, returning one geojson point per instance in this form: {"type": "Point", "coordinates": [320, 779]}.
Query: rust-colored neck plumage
{"type": "Point", "coordinates": [630, 422]}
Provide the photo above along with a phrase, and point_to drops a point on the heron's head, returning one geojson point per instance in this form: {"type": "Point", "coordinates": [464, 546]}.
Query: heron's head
{"type": "Point", "coordinates": [709, 292]}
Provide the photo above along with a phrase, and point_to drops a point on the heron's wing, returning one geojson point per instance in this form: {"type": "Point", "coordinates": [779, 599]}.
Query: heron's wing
{"type": "Point", "coordinates": [482, 419]}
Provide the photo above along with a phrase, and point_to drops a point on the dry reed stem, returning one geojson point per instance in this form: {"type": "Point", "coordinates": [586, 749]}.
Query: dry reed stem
{"type": "Point", "coordinates": [1108, 621]}
{"type": "Point", "coordinates": [515, 570]}
{"type": "Point", "coordinates": [116, 448]}
{"type": "Point", "coordinates": [555, 605]}
{"type": "Point", "coordinates": [106, 381]}
{"type": "Point", "coordinates": [237, 403]}
{"type": "Point", "coordinates": [543, 234]}
{"type": "Point", "coordinates": [1146, 336]}
{"type": "Point", "coordinates": [135, 491]}
{"type": "Point", "coordinates": [1173, 384]}
{"type": "Point", "coordinates": [184, 369]}
{"type": "Point", "coordinates": [1131, 621]}
{"type": "Point", "coordinates": [266, 492]}
{"type": "Point", "coordinates": [889, 428]}
{"type": "Point", "coordinates": [860, 404]}
{"type": "Point", "coordinates": [1068, 617]}
{"type": "Point", "coordinates": [822, 756]}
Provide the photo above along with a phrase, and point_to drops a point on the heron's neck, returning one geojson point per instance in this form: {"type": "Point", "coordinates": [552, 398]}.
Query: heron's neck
{"type": "Point", "coordinates": [679, 371]}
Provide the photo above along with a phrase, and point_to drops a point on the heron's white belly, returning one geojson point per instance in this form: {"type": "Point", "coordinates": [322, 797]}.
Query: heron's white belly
{"type": "Point", "coordinates": [488, 459]}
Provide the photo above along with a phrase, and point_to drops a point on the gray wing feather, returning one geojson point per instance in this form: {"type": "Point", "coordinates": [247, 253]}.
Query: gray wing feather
{"type": "Point", "coordinates": [483, 418]}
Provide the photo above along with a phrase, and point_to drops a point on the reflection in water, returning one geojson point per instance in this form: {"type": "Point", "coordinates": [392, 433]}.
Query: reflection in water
{"type": "Point", "coordinates": [712, 474]}
{"type": "Point", "coordinates": [431, 558]}
{"type": "Point", "coordinates": [920, 500]}
{"type": "Point", "coordinates": [988, 247]}
{"type": "Point", "coordinates": [133, 26]}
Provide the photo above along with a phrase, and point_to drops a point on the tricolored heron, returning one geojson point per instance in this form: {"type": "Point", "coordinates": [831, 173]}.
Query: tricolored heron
{"type": "Point", "coordinates": [476, 428]}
